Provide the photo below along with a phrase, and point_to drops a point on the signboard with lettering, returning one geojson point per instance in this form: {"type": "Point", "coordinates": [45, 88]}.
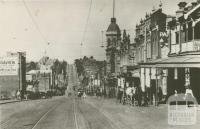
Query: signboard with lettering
{"type": "Point", "coordinates": [163, 38]}
{"type": "Point", "coordinates": [9, 66]}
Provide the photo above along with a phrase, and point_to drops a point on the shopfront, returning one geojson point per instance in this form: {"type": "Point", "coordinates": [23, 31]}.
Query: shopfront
{"type": "Point", "coordinates": [182, 72]}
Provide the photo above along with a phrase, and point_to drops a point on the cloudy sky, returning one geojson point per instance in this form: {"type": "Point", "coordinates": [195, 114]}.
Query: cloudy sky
{"type": "Point", "coordinates": [32, 25]}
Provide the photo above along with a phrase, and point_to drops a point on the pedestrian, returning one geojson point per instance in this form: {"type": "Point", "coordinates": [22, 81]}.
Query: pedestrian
{"type": "Point", "coordinates": [84, 95]}
{"type": "Point", "coordinates": [145, 97]}
{"type": "Point", "coordinates": [139, 96]}
{"type": "Point", "coordinates": [188, 91]}
{"type": "Point", "coordinates": [118, 94]}
{"type": "Point", "coordinates": [134, 95]}
{"type": "Point", "coordinates": [18, 95]}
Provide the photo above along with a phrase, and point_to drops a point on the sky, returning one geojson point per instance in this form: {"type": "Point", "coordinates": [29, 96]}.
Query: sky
{"type": "Point", "coordinates": [56, 27]}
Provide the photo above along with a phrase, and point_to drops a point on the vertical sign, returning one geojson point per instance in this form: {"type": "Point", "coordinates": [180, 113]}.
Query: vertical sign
{"type": "Point", "coordinates": [175, 73]}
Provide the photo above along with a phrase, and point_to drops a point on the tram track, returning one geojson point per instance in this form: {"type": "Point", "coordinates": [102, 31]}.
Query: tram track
{"type": "Point", "coordinates": [43, 116]}
{"type": "Point", "coordinates": [75, 115]}
{"type": "Point", "coordinates": [95, 118]}
{"type": "Point", "coordinates": [30, 117]}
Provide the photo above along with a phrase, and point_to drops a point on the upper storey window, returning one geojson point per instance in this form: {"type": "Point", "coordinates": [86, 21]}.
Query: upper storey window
{"type": "Point", "coordinates": [197, 31]}
{"type": "Point", "coordinates": [190, 31]}
{"type": "Point", "coordinates": [108, 42]}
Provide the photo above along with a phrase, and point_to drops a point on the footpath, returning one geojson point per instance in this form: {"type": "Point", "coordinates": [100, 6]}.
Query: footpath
{"type": "Point", "coordinates": [9, 101]}
{"type": "Point", "coordinates": [126, 116]}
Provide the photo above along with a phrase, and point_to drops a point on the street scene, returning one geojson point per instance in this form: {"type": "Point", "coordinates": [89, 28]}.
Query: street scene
{"type": "Point", "coordinates": [109, 64]}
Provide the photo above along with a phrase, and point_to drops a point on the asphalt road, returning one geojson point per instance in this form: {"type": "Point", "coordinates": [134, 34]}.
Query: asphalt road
{"type": "Point", "coordinates": [90, 113]}
{"type": "Point", "coordinates": [65, 112]}
{"type": "Point", "coordinates": [57, 113]}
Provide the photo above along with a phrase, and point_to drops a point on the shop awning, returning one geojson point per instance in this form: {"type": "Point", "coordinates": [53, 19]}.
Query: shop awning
{"type": "Point", "coordinates": [130, 68]}
{"type": "Point", "coordinates": [150, 64]}
{"type": "Point", "coordinates": [190, 61]}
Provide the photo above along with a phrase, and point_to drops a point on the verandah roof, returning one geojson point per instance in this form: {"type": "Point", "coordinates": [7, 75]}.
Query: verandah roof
{"type": "Point", "coordinates": [178, 62]}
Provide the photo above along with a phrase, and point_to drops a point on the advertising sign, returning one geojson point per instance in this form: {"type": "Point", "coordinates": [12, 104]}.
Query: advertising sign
{"type": "Point", "coordinates": [163, 38]}
{"type": "Point", "coordinates": [8, 66]}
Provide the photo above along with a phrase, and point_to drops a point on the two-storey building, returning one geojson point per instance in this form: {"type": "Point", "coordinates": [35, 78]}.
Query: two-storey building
{"type": "Point", "coordinates": [127, 62]}
{"type": "Point", "coordinates": [183, 64]}
{"type": "Point", "coordinates": [151, 39]}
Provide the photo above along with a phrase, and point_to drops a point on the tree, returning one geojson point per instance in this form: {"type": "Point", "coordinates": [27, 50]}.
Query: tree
{"type": "Point", "coordinates": [64, 69]}
{"type": "Point", "coordinates": [31, 66]}
{"type": "Point", "coordinates": [57, 67]}
{"type": "Point", "coordinates": [79, 66]}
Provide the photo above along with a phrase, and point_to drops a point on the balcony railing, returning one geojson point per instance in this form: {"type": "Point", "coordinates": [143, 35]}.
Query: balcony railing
{"type": "Point", "coordinates": [191, 46]}
{"type": "Point", "coordinates": [175, 48]}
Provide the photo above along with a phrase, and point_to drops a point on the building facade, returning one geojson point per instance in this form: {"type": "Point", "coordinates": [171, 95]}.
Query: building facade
{"type": "Point", "coordinates": [183, 62]}
{"type": "Point", "coordinates": [172, 55]}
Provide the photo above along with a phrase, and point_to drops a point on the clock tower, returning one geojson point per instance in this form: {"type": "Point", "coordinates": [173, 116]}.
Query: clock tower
{"type": "Point", "coordinates": [113, 36]}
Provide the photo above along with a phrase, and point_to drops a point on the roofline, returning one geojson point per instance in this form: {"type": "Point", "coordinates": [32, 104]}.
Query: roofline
{"type": "Point", "coordinates": [191, 11]}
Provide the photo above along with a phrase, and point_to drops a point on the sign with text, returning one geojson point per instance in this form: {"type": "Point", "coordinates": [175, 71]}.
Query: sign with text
{"type": "Point", "coordinates": [163, 38]}
{"type": "Point", "coordinates": [9, 66]}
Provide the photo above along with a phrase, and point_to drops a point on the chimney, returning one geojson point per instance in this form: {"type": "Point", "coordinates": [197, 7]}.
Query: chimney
{"type": "Point", "coordinates": [194, 4]}
{"type": "Point", "coordinates": [180, 12]}
{"type": "Point", "coordinates": [182, 5]}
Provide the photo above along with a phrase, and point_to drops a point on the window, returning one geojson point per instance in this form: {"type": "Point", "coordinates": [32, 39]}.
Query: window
{"type": "Point", "coordinates": [177, 37]}
{"type": "Point", "coordinates": [114, 41]}
{"type": "Point", "coordinates": [183, 34]}
{"type": "Point", "coordinates": [190, 31]}
{"type": "Point", "coordinates": [109, 42]}
{"type": "Point", "coordinates": [197, 31]}
{"type": "Point", "coordinates": [148, 50]}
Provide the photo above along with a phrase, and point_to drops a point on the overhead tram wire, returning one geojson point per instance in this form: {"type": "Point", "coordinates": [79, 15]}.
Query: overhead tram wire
{"type": "Point", "coordinates": [35, 23]}
{"type": "Point", "coordinates": [86, 25]}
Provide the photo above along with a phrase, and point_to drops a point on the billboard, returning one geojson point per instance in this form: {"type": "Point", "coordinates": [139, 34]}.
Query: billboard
{"type": "Point", "coordinates": [9, 66]}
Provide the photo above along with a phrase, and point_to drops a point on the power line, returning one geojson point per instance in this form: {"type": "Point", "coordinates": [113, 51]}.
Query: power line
{"type": "Point", "coordinates": [34, 22]}
{"type": "Point", "coordinates": [86, 25]}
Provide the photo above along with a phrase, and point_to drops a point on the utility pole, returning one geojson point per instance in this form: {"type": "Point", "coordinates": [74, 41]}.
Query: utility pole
{"type": "Point", "coordinates": [19, 59]}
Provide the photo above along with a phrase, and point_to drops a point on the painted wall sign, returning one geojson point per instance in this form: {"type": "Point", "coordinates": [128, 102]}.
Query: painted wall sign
{"type": "Point", "coordinates": [9, 66]}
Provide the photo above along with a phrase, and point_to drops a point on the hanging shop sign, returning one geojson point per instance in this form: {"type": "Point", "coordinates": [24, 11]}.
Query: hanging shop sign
{"type": "Point", "coordinates": [163, 38]}
{"type": "Point", "coordinates": [9, 66]}
{"type": "Point", "coordinates": [175, 73]}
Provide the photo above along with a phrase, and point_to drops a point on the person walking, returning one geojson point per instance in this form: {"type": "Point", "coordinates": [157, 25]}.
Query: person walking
{"type": "Point", "coordinates": [119, 94]}
{"type": "Point", "coordinates": [189, 95]}
{"type": "Point", "coordinates": [139, 96]}
{"type": "Point", "coordinates": [134, 95]}
{"type": "Point", "coordinates": [18, 95]}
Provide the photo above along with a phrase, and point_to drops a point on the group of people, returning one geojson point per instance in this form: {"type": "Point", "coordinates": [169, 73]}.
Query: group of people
{"type": "Point", "coordinates": [132, 95]}
{"type": "Point", "coordinates": [81, 94]}
{"type": "Point", "coordinates": [135, 96]}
